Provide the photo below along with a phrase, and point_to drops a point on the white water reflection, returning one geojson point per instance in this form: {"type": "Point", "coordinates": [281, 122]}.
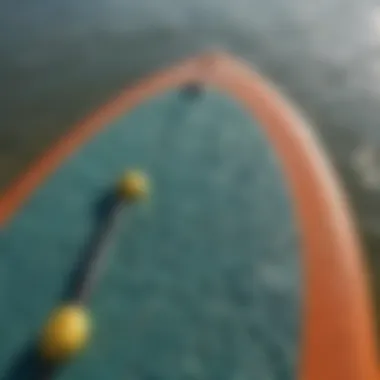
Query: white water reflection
{"type": "Point", "coordinates": [366, 164]}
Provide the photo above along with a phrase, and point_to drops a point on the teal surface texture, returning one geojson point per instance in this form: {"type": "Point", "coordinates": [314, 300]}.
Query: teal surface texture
{"type": "Point", "coordinates": [203, 280]}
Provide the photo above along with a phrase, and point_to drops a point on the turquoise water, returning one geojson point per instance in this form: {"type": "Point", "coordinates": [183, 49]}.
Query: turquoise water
{"type": "Point", "coordinates": [60, 59]}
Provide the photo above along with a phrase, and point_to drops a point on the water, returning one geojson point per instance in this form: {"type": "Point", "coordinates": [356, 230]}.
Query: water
{"type": "Point", "coordinates": [61, 59]}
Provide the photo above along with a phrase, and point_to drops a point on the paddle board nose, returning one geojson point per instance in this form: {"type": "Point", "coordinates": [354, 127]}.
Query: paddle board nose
{"type": "Point", "coordinates": [240, 261]}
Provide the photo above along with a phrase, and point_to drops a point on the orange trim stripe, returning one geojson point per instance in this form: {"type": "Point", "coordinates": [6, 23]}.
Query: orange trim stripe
{"type": "Point", "coordinates": [338, 333]}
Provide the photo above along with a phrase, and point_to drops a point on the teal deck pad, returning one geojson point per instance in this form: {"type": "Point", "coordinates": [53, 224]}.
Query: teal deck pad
{"type": "Point", "coordinates": [203, 281]}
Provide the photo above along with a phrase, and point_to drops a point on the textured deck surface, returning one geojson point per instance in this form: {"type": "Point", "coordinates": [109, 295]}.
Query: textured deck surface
{"type": "Point", "coordinates": [203, 281]}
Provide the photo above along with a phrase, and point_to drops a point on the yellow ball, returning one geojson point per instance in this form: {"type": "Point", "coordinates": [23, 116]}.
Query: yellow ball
{"type": "Point", "coordinates": [65, 333]}
{"type": "Point", "coordinates": [134, 185]}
